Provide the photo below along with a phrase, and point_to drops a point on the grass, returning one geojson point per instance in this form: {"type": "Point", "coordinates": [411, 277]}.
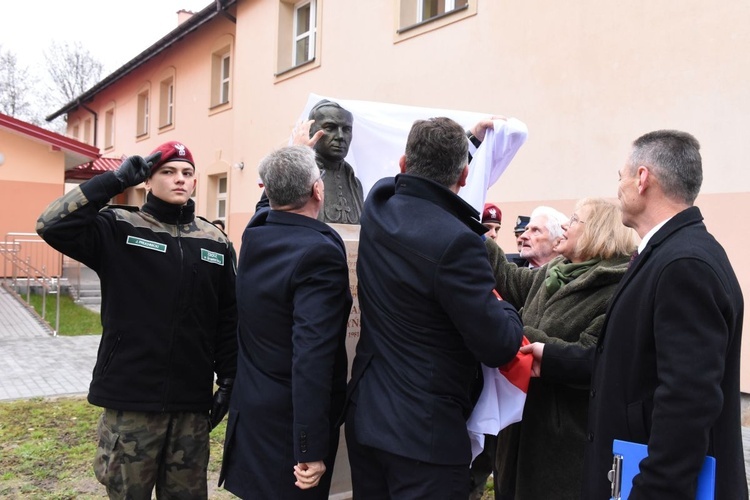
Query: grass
{"type": "Point", "coordinates": [75, 319]}
{"type": "Point", "coordinates": [47, 448]}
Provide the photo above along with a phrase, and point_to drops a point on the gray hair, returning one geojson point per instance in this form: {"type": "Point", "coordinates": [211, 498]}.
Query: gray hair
{"type": "Point", "coordinates": [555, 220]}
{"type": "Point", "coordinates": [674, 159]}
{"type": "Point", "coordinates": [288, 175]}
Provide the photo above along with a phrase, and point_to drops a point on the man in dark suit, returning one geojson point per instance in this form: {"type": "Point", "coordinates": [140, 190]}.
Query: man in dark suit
{"type": "Point", "coordinates": [294, 302]}
{"type": "Point", "coordinates": [428, 314]}
{"type": "Point", "coordinates": [666, 369]}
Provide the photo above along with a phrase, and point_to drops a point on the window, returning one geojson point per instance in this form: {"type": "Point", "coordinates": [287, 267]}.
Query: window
{"type": "Point", "coordinates": [221, 74]}
{"type": "Point", "coordinates": [75, 131]}
{"type": "Point", "coordinates": [426, 15]}
{"type": "Point", "coordinates": [217, 195]}
{"type": "Point", "coordinates": [221, 198]}
{"type": "Point", "coordinates": [427, 9]}
{"type": "Point", "coordinates": [166, 102]}
{"type": "Point", "coordinates": [224, 94]}
{"type": "Point", "coordinates": [87, 126]}
{"type": "Point", "coordinates": [109, 128]}
{"type": "Point", "coordinates": [298, 47]}
{"type": "Point", "coordinates": [304, 32]}
{"type": "Point", "coordinates": [142, 123]}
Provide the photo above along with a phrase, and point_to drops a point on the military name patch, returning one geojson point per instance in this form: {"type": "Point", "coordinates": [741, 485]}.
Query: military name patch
{"type": "Point", "coordinates": [212, 257]}
{"type": "Point", "coordinates": [151, 245]}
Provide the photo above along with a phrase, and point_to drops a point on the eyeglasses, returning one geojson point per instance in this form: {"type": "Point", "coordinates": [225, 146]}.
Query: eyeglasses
{"type": "Point", "coordinates": [574, 219]}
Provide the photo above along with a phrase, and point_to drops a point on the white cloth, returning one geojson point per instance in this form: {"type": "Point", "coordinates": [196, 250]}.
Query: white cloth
{"type": "Point", "coordinates": [379, 139]}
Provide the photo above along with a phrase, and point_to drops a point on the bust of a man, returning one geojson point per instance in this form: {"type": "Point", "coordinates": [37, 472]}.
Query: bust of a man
{"type": "Point", "coordinates": [343, 191]}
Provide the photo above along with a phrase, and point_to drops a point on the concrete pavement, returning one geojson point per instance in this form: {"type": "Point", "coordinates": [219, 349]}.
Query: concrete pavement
{"type": "Point", "coordinates": [33, 363]}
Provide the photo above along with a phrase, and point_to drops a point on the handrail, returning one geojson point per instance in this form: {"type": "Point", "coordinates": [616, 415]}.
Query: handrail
{"type": "Point", "coordinates": [29, 257]}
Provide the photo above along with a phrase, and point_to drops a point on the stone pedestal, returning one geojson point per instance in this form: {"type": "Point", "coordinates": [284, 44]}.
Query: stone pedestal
{"type": "Point", "coordinates": [341, 485]}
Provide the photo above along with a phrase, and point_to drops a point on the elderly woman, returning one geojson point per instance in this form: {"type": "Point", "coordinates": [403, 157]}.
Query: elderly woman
{"type": "Point", "coordinates": [562, 302]}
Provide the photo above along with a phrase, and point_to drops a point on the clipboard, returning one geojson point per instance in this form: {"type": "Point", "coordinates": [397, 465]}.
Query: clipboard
{"type": "Point", "coordinates": [626, 458]}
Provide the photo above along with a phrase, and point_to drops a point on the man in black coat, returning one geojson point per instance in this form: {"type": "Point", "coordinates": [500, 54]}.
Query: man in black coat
{"type": "Point", "coordinates": [428, 313]}
{"type": "Point", "coordinates": [666, 369]}
{"type": "Point", "coordinates": [293, 305]}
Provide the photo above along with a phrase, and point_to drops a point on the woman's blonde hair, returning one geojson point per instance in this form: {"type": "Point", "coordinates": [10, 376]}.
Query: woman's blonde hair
{"type": "Point", "coordinates": [604, 236]}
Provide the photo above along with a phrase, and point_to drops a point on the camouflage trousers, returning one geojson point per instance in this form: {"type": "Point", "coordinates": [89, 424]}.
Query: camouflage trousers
{"type": "Point", "coordinates": [140, 450]}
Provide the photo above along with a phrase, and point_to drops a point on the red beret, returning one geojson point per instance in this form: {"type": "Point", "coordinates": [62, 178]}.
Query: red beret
{"type": "Point", "coordinates": [491, 214]}
{"type": "Point", "coordinates": [172, 151]}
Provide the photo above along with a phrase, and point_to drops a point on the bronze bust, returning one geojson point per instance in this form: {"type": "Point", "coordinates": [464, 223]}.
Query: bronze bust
{"type": "Point", "coordinates": [344, 196]}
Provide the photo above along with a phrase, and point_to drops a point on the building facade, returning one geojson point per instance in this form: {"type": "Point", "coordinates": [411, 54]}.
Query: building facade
{"type": "Point", "coordinates": [587, 78]}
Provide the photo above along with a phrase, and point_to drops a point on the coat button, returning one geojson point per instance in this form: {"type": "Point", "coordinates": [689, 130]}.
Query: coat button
{"type": "Point", "coordinates": [590, 437]}
{"type": "Point", "coordinates": [592, 393]}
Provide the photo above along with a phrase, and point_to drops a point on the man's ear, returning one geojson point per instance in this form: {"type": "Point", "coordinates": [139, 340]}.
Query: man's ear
{"type": "Point", "coordinates": [318, 190]}
{"type": "Point", "coordinates": [463, 176]}
{"type": "Point", "coordinates": [402, 164]}
{"type": "Point", "coordinates": [644, 179]}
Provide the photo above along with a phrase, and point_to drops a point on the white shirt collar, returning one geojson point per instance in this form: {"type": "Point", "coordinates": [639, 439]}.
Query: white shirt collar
{"type": "Point", "coordinates": [648, 236]}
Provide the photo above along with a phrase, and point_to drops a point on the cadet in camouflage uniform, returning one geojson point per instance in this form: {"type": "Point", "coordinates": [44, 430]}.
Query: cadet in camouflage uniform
{"type": "Point", "coordinates": [169, 318]}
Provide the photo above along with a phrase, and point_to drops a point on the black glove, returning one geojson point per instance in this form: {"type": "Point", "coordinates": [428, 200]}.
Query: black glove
{"type": "Point", "coordinates": [135, 169]}
{"type": "Point", "coordinates": [221, 401]}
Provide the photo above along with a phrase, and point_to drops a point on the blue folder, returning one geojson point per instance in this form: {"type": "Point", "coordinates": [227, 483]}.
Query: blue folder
{"type": "Point", "coordinates": [627, 457]}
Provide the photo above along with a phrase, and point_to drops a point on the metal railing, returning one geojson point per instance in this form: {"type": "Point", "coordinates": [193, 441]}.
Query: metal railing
{"type": "Point", "coordinates": [29, 262]}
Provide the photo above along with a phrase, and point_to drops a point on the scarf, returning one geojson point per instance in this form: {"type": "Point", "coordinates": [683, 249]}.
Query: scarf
{"type": "Point", "coordinates": [563, 273]}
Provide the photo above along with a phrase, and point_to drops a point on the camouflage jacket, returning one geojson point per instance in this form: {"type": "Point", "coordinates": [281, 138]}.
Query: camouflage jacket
{"type": "Point", "coordinates": [168, 296]}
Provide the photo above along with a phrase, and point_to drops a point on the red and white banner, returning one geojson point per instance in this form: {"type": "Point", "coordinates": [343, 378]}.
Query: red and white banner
{"type": "Point", "coordinates": [501, 401]}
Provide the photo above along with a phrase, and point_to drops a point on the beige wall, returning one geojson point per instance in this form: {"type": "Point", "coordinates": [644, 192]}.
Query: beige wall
{"type": "Point", "coordinates": [30, 177]}
{"type": "Point", "coordinates": [205, 131]}
{"type": "Point", "coordinates": [586, 77]}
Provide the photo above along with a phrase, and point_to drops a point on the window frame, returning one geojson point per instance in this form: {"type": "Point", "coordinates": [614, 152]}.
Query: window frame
{"type": "Point", "coordinates": [222, 197]}
{"type": "Point", "coordinates": [287, 38]}
{"type": "Point", "coordinates": [109, 127]}
{"type": "Point", "coordinates": [142, 113]}
{"type": "Point", "coordinates": [310, 34]}
{"type": "Point", "coordinates": [88, 126]}
{"type": "Point", "coordinates": [222, 74]}
{"type": "Point", "coordinates": [166, 93]}
{"type": "Point", "coordinates": [410, 21]}
{"type": "Point", "coordinates": [225, 78]}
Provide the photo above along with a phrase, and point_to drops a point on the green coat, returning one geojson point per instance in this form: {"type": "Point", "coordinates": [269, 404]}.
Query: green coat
{"type": "Point", "coordinates": [543, 454]}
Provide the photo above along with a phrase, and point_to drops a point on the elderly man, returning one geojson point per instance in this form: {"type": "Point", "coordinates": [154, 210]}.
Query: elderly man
{"type": "Point", "coordinates": [428, 315]}
{"type": "Point", "coordinates": [666, 371]}
{"type": "Point", "coordinates": [541, 235]}
{"type": "Point", "coordinates": [293, 304]}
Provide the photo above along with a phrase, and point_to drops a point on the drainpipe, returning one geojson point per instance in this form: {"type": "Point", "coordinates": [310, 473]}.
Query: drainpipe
{"type": "Point", "coordinates": [96, 120]}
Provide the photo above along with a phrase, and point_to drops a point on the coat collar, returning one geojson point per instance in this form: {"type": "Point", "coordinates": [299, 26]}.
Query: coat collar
{"type": "Point", "coordinates": [412, 185]}
{"type": "Point", "coordinates": [689, 216]}
{"type": "Point", "coordinates": [267, 216]}
{"type": "Point", "coordinates": [168, 212]}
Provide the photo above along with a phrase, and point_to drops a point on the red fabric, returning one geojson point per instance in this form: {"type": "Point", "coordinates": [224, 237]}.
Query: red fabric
{"type": "Point", "coordinates": [518, 371]}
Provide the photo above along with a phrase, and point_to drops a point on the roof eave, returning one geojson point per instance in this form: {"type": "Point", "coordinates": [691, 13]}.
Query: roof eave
{"type": "Point", "coordinates": [174, 36]}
